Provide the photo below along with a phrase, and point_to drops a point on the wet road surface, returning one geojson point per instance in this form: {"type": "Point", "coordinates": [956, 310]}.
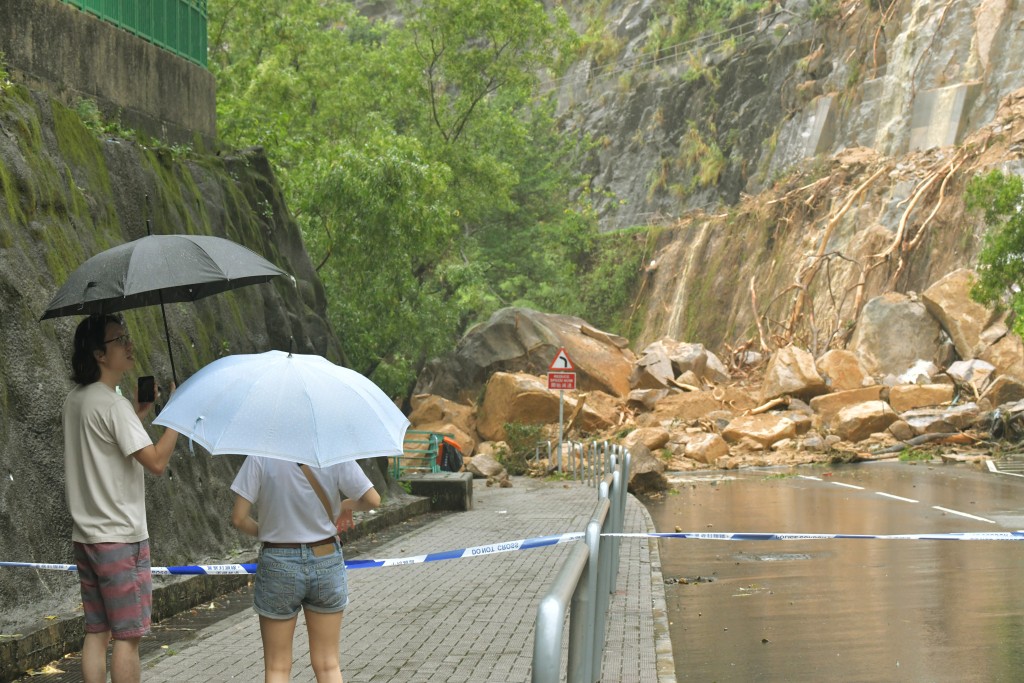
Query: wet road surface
{"type": "Point", "coordinates": [845, 610]}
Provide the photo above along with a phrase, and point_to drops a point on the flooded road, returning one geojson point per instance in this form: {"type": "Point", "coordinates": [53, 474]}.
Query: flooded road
{"type": "Point", "coordinates": [845, 609]}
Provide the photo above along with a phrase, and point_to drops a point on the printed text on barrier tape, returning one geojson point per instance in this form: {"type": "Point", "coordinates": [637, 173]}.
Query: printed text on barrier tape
{"type": "Point", "coordinates": [544, 541]}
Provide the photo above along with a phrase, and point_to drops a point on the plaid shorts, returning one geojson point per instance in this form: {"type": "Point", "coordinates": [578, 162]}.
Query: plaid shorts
{"type": "Point", "coordinates": [117, 587]}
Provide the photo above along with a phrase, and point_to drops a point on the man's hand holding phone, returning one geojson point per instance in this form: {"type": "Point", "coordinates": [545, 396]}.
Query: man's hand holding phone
{"type": "Point", "coordinates": [145, 395]}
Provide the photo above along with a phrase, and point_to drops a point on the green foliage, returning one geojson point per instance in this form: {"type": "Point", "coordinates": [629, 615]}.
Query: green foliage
{"type": "Point", "coordinates": [914, 455]}
{"type": "Point", "coordinates": [5, 76]}
{"type": "Point", "coordinates": [611, 277]}
{"type": "Point", "coordinates": [93, 119]}
{"type": "Point", "coordinates": [702, 156]}
{"type": "Point", "coordinates": [690, 18]}
{"type": "Point", "coordinates": [522, 441]}
{"type": "Point", "coordinates": [823, 10]}
{"type": "Point", "coordinates": [1001, 260]}
{"type": "Point", "coordinates": [429, 179]}
{"type": "Point", "coordinates": [699, 68]}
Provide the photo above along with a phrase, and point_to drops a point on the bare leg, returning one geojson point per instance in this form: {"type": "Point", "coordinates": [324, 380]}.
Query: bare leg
{"type": "Point", "coordinates": [94, 657]}
{"type": "Point", "coordinates": [277, 648]}
{"type": "Point", "coordinates": [124, 662]}
{"type": "Point", "coordinates": [324, 641]}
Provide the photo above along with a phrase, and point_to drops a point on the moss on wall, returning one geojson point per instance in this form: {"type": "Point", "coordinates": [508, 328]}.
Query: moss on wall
{"type": "Point", "coordinates": [67, 193]}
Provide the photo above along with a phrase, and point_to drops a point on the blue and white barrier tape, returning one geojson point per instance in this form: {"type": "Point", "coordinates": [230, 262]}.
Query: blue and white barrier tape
{"type": "Point", "coordinates": [544, 541]}
{"type": "Point", "coordinates": [226, 569]}
{"type": "Point", "coordinates": [756, 536]}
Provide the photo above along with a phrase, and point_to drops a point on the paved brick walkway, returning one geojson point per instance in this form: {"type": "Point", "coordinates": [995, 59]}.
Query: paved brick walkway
{"type": "Point", "coordinates": [469, 620]}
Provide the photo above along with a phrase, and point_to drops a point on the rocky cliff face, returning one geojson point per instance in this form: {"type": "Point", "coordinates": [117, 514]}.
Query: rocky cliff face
{"type": "Point", "coordinates": [810, 157]}
{"type": "Point", "coordinates": [697, 124]}
{"type": "Point", "coordinates": [65, 194]}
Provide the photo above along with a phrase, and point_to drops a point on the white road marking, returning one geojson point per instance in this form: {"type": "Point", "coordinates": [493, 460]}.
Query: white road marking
{"type": "Point", "coordinates": [895, 497]}
{"type": "Point", "coordinates": [963, 514]}
{"type": "Point", "coordinates": [988, 463]}
{"type": "Point", "coordinates": [849, 486]}
{"type": "Point", "coordinates": [804, 476]}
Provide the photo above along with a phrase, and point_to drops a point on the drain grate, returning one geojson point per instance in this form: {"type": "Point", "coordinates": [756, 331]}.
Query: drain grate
{"type": "Point", "coordinates": [1008, 464]}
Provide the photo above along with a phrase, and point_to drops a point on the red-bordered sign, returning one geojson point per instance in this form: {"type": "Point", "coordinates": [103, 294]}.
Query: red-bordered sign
{"type": "Point", "coordinates": [562, 380]}
{"type": "Point", "coordinates": [561, 363]}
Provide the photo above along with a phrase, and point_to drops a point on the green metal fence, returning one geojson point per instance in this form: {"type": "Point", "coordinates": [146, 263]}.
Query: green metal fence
{"type": "Point", "coordinates": [175, 25]}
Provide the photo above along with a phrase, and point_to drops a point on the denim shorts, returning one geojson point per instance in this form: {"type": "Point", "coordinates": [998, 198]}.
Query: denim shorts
{"type": "Point", "coordinates": [288, 579]}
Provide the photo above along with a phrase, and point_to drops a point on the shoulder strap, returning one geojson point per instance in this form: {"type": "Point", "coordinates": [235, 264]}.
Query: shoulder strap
{"type": "Point", "coordinates": [318, 490]}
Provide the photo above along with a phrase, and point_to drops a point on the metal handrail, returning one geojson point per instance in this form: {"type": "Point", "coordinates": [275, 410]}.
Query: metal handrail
{"type": "Point", "coordinates": [583, 586]}
{"type": "Point", "coordinates": [178, 26]}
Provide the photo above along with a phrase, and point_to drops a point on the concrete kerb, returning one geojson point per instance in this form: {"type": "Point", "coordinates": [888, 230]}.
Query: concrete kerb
{"type": "Point", "coordinates": [52, 638]}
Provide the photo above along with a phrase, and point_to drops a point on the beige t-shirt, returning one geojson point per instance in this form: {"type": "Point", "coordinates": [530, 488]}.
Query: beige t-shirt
{"type": "Point", "coordinates": [105, 489]}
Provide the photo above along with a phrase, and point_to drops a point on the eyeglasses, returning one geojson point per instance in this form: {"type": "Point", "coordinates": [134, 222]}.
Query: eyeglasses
{"type": "Point", "coordinates": [124, 340]}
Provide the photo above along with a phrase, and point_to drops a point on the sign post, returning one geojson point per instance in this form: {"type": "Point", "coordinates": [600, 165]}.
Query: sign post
{"type": "Point", "coordinates": [561, 376]}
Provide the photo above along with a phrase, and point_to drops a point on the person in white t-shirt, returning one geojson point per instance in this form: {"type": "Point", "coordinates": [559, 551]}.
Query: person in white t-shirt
{"type": "Point", "coordinates": [300, 565]}
{"type": "Point", "coordinates": [106, 450]}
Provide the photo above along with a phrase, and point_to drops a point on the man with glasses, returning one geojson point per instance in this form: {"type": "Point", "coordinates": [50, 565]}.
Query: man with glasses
{"type": "Point", "coordinates": [106, 449]}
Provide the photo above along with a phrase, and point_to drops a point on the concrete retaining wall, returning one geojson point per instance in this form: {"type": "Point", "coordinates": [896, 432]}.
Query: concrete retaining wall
{"type": "Point", "coordinates": [56, 48]}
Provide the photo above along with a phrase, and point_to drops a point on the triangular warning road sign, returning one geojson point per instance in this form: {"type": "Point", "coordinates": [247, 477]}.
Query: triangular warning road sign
{"type": "Point", "coordinates": [562, 362]}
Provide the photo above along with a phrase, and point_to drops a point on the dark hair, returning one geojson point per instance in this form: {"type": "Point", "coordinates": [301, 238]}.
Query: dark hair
{"type": "Point", "coordinates": [90, 337]}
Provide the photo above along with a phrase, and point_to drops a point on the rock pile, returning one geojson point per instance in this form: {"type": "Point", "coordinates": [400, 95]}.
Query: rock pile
{"type": "Point", "coordinates": [930, 368]}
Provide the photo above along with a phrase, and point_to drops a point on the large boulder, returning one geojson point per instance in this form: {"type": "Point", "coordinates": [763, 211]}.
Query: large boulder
{"type": "Point", "coordinates": [1006, 354]}
{"type": "Point", "coordinates": [667, 359]}
{"type": "Point", "coordinates": [893, 332]}
{"type": "Point", "coordinates": [600, 411]}
{"type": "Point", "coordinates": [975, 372]}
{"type": "Point", "coordinates": [949, 301]}
{"type": "Point", "coordinates": [645, 399]}
{"type": "Point", "coordinates": [646, 472]}
{"type": "Point", "coordinates": [485, 466]}
{"type": "Point", "coordinates": [943, 420]}
{"type": "Point", "coordinates": [653, 438]}
{"type": "Point", "coordinates": [517, 398]}
{"type": "Point", "coordinates": [1004, 389]}
{"type": "Point", "coordinates": [427, 408]}
{"type": "Point", "coordinates": [694, 405]}
{"type": "Point", "coordinates": [841, 370]}
{"type": "Point", "coordinates": [826, 407]}
{"type": "Point", "coordinates": [524, 340]}
{"type": "Point", "coordinates": [792, 372]}
{"type": "Point", "coordinates": [653, 370]}
{"type": "Point", "coordinates": [765, 429]}
{"type": "Point", "coordinates": [437, 414]}
{"type": "Point", "coordinates": [909, 396]}
{"type": "Point", "coordinates": [858, 422]}
{"type": "Point", "coordinates": [706, 447]}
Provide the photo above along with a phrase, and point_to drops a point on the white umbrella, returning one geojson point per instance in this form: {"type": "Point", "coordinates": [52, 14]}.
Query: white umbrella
{"type": "Point", "coordinates": [293, 407]}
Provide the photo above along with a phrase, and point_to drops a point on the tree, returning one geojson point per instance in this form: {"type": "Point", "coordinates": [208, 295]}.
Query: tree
{"type": "Point", "coordinates": [1001, 260]}
{"type": "Point", "coordinates": [430, 181]}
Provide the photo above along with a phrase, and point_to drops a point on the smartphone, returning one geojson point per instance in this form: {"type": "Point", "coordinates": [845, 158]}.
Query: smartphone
{"type": "Point", "coordinates": [147, 390]}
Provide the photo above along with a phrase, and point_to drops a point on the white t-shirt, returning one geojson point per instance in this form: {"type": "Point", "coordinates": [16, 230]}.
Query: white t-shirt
{"type": "Point", "coordinates": [289, 509]}
{"type": "Point", "coordinates": [105, 488]}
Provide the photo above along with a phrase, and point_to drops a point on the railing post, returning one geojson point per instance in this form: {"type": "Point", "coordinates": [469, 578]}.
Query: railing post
{"type": "Point", "coordinates": [550, 625]}
{"type": "Point", "coordinates": [603, 585]}
{"type": "Point", "coordinates": [581, 624]}
{"type": "Point", "coordinates": [615, 524]}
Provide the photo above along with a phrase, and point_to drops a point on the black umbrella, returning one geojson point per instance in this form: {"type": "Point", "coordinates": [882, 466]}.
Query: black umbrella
{"type": "Point", "coordinates": [159, 269]}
